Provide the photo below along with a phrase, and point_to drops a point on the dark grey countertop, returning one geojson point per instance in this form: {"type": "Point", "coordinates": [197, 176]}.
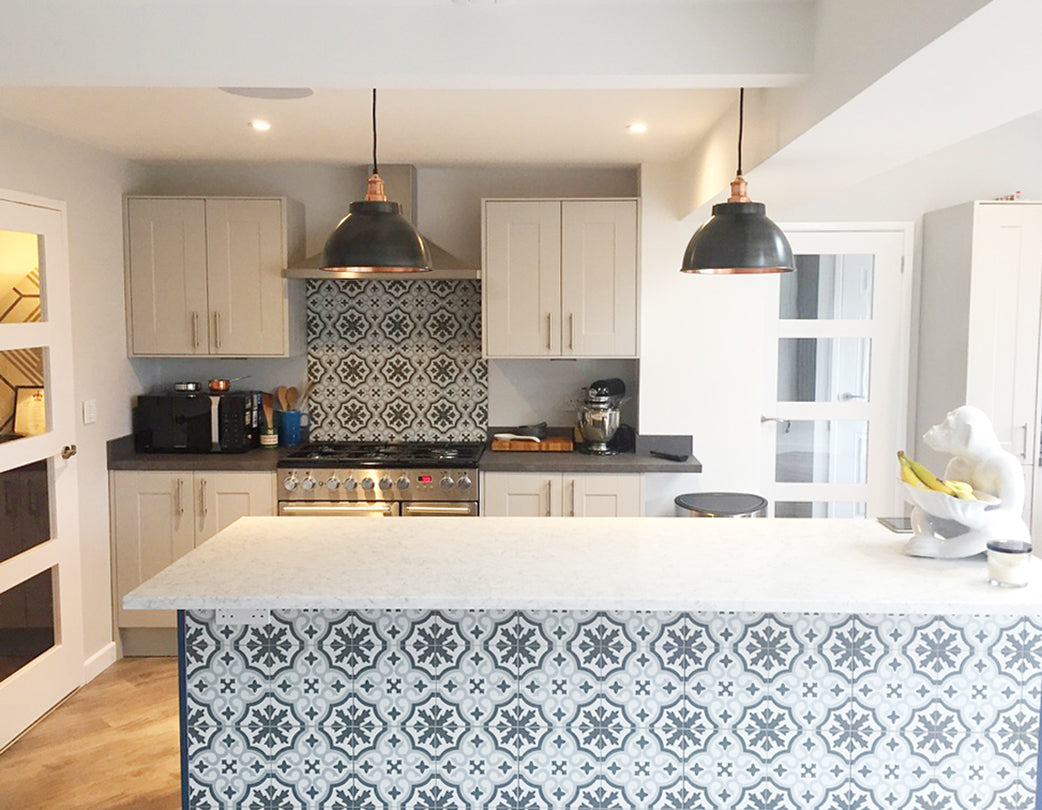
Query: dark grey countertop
{"type": "Point", "coordinates": [514, 461]}
{"type": "Point", "coordinates": [121, 456]}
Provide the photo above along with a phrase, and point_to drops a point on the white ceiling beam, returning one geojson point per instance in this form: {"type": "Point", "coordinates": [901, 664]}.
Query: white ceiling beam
{"type": "Point", "coordinates": [877, 101]}
{"type": "Point", "coordinates": [162, 43]}
{"type": "Point", "coordinates": [982, 74]}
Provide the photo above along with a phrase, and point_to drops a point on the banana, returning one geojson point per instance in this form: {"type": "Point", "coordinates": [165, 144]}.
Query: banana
{"type": "Point", "coordinates": [908, 476]}
{"type": "Point", "coordinates": [923, 474]}
{"type": "Point", "coordinates": [962, 490]}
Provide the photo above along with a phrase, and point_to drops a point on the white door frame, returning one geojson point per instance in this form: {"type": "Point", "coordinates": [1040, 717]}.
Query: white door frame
{"type": "Point", "coordinates": [888, 429]}
{"type": "Point", "coordinates": [34, 689]}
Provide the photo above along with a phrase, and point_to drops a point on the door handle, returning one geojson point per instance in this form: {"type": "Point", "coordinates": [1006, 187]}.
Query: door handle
{"type": "Point", "coordinates": [571, 330]}
{"type": "Point", "coordinates": [202, 498]}
{"type": "Point", "coordinates": [548, 497]}
{"type": "Point", "coordinates": [179, 496]}
{"type": "Point", "coordinates": [786, 422]}
{"type": "Point", "coordinates": [572, 512]}
{"type": "Point", "coordinates": [217, 328]}
{"type": "Point", "coordinates": [549, 330]}
{"type": "Point", "coordinates": [195, 329]}
{"type": "Point", "coordinates": [68, 451]}
{"type": "Point", "coordinates": [1024, 444]}
{"type": "Point", "coordinates": [846, 396]}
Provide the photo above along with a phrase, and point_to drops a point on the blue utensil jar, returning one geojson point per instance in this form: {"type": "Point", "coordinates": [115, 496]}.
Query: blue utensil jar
{"type": "Point", "coordinates": [293, 427]}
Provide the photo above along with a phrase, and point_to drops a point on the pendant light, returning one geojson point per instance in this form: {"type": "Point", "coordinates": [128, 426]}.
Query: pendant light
{"type": "Point", "coordinates": [738, 238]}
{"type": "Point", "coordinates": [374, 237]}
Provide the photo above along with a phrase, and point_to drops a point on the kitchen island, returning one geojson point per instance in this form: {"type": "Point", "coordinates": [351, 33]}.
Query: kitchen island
{"type": "Point", "coordinates": [601, 663]}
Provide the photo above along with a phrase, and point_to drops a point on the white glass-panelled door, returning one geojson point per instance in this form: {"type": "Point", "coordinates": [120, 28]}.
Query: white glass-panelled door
{"type": "Point", "coordinates": [41, 632]}
{"type": "Point", "coordinates": [836, 387]}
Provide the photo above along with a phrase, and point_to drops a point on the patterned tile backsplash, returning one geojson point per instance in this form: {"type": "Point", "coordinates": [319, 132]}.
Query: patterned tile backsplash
{"type": "Point", "coordinates": [582, 710]}
{"type": "Point", "coordinates": [396, 361]}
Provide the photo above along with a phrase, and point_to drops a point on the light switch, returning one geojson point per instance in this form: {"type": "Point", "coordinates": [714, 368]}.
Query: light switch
{"type": "Point", "coordinates": [90, 411]}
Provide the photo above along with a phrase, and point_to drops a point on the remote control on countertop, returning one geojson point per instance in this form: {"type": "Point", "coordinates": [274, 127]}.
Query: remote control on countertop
{"type": "Point", "coordinates": [668, 456]}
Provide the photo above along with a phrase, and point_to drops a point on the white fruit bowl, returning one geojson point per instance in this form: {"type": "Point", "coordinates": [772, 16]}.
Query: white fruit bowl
{"type": "Point", "coordinates": [949, 507]}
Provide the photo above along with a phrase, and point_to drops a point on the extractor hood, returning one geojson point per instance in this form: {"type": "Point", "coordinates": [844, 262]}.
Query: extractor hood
{"type": "Point", "coordinates": [401, 184]}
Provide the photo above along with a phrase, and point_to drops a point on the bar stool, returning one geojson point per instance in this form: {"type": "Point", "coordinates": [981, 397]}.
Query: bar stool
{"type": "Point", "coordinates": [720, 504]}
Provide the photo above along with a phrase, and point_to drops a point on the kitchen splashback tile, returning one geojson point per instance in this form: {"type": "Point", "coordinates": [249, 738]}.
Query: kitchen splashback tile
{"type": "Point", "coordinates": [396, 361]}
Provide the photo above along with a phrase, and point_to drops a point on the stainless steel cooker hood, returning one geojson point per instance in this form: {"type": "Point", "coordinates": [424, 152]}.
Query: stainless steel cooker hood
{"type": "Point", "coordinates": [401, 188]}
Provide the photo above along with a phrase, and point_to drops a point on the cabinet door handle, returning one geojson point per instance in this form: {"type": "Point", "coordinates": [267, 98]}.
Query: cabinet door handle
{"type": "Point", "coordinates": [179, 496]}
{"type": "Point", "coordinates": [573, 497]}
{"type": "Point", "coordinates": [548, 497]}
{"type": "Point", "coordinates": [571, 330]}
{"type": "Point", "coordinates": [195, 329]}
{"type": "Point", "coordinates": [217, 328]}
{"type": "Point", "coordinates": [202, 497]}
{"type": "Point", "coordinates": [1024, 444]}
{"type": "Point", "coordinates": [549, 330]}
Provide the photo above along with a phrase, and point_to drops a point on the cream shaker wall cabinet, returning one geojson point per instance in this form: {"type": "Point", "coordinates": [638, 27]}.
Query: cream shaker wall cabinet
{"type": "Point", "coordinates": [204, 276]}
{"type": "Point", "coordinates": [158, 517]}
{"type": "Point", "coordinates": [560, 278]}
{"type": "Point", "coordinates": [979, 325]}
{"type": "Point", "coordinates": [562, 494]}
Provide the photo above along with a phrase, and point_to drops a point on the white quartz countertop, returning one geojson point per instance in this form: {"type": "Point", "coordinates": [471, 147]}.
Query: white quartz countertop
{"type": "Point", "coordinates": [781, 565]}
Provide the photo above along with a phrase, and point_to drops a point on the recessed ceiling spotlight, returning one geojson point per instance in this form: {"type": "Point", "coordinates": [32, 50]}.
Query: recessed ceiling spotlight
{"type": "Point", "coordinates": [637, 128]}
{"type": "Point", "coordinates": [275, 93]}
{"type": "Point", "coordinates": [260, 125]}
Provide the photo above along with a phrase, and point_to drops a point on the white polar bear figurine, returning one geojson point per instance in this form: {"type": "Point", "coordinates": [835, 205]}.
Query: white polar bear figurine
{"type": "Point", "coordinates": [977, 458]}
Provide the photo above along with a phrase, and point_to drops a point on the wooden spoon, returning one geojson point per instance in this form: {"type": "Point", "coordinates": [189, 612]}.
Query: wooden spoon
{"type": "Point", "coordinates": [304, 394]}
{"type": "Point", "coordinates": [267, 404]}
{"type": "Point", "coordinates": [280, 396]}
{"type": "Point", "coordinates": [292, 395]}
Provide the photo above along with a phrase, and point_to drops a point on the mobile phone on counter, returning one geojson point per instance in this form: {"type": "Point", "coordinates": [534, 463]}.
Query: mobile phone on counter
{"type": "Point", "coordinates": [901, 525]}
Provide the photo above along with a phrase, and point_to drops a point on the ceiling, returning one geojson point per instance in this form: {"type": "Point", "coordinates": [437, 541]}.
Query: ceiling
{"type": "Point", "coordinates": [460, 81]}
{"type": "Point", "coordinates": [419, 126]}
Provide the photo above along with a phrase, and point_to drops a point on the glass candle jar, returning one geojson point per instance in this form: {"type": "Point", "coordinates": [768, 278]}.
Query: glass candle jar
{"type": "Point", "coordinates": [1009, 563]}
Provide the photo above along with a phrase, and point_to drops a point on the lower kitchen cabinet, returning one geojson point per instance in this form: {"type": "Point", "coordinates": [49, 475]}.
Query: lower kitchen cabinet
{"type": "Point", "coordinates": [160, 516]}
{"type": "Point", "coordinates": [562, 494]}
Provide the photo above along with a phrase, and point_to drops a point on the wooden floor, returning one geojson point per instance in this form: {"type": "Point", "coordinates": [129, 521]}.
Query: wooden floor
{"type": "Point", "coordinates": [114, 744]}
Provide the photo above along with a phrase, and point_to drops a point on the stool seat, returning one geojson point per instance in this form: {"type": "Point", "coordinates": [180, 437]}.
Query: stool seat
{"type": "Point", "coordinates": [720, 504]}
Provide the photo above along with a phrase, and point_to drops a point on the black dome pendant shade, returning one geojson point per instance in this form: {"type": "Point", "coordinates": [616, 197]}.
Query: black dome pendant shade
{"type": "Point", "coordinates": [374, 237]}
{"type": "Point", "coordinates": [738, 238]}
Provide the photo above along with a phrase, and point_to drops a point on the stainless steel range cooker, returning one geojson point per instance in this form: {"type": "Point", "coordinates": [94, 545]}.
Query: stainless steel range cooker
{"type": "Point", "coordinates": [380, 479]}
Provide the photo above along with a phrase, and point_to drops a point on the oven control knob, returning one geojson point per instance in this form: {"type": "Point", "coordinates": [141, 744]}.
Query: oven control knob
{"type": "Point", "coordinates": [332, 482]}
{"type": "Point", "coordinates": [386, 483]}
{"type": "Point", "coordinates": [368, 483]}
{"type": "Point", "coordinates": [349, 483]}
{"type": "Point", "coordinates": [309, 481]}
{"type": "Point", "coordinates": [465, 482]}
{"type": "Point", "coordinates": [290, 482]}
{"type": "Point", "coordinates": [446, 482]}
{"type": "Point", "coordinates": [402, 483]}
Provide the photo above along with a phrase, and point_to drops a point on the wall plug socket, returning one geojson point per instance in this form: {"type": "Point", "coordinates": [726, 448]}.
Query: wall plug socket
{"type": "Point", "coordinates": [250, 617]}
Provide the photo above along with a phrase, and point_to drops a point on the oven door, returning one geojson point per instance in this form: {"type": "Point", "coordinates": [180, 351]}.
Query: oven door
{"type": "Point", "coordinates": [338, 509]}
{"type": "Point", "coordinates": [435, 509]}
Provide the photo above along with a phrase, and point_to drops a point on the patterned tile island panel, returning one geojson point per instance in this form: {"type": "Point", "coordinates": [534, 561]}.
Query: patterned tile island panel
{"type": "Point", "coordinates": [508, 710]}
{"type": "Point", "coordinates": [396, 361]}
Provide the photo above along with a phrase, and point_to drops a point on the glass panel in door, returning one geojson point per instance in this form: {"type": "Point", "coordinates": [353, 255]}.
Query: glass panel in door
{"type": "Point", "coordinates": [41, 644]}
{"type": "Point", "coordinates": [836, 397]}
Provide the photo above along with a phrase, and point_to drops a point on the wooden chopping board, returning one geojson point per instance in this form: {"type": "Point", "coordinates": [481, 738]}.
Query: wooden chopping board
{"type": "Point", "coordinates": [562, 443]}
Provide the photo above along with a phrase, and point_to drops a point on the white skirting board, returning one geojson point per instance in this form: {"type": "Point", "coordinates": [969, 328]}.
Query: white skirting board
{"type": "Point", "coordinates": [99, 662]}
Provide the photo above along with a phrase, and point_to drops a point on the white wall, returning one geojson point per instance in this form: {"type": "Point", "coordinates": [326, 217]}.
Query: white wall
{"type": "Point", "coordinates": [448, 205]}
{"type": "Point", "coordinates": [526, 392]}
{"type": "Point", "coordinates": [92, 184]}
{"type": "Point", "coordinates": [703, 340]}
{"type": "Point", "coordinates": [448, 210]}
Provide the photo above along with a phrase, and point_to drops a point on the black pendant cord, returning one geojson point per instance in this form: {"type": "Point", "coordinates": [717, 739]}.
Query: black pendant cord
{"type": "Point", "coordinates": [375, 171]}
{"type": "Point", "coordinates": [741, 124]}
